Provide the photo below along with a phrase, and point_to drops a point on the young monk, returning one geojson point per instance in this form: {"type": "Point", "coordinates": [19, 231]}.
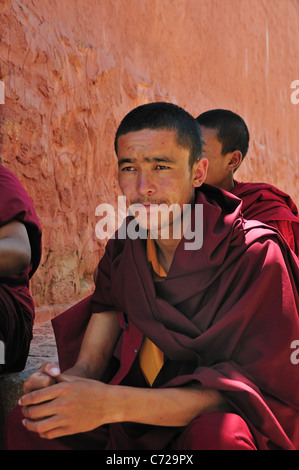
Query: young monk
{"type": "Point", "coordinates": [20, 253]}
{"type": "Point", "coordinates": [225, 144]}
{"type": "Point", "coordinates": [202, 334]}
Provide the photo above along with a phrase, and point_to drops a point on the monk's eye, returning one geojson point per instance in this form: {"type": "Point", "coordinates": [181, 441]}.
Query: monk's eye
{"type": "Point", "coordinates": [162, 167]}
{"type": "Point", "coordinates": [128, 168]}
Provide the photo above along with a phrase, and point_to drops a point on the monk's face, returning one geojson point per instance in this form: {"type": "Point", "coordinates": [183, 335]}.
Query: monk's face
{"type": "Point", "coordinates": [154, 169]}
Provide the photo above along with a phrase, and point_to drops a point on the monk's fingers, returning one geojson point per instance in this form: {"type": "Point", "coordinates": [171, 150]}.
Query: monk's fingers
{"type": "Point", "coordinates": [42, 395]}
{"type": "Point", "coordinates": [55, 433]}
{"type": "Point", "coordinates": [44, 427]}
{"type": "Point", "coordinates": [44, 419]}
{"type": "Point", "coordinates": [50, 368]}
{"type": "Point", "coordinates": [38, 419]}
{"type": "Point", "coordinates": [44, 377]}
{"type": "Point", "coordinates": [36, 381]}
{"type": "Point", "coordinates": [37, 412]}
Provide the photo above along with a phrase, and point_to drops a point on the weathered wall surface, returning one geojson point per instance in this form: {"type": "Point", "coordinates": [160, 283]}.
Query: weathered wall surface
{"type": "Point", "coordinates": [72, 69]}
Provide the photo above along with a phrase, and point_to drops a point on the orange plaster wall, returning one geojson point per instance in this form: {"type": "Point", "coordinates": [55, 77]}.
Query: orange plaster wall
{"type": "Point", "coordinates": [72, 69]}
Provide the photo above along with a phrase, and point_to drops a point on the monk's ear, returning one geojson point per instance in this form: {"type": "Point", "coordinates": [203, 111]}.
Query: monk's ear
{"type": "Point", "coordinates": [234, 161]}
{"type": "Point", "coordinates": [199, 172]}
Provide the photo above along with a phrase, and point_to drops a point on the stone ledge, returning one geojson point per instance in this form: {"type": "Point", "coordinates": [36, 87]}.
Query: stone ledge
{"type": "Point", "coordinates": [48, 312]}
{"type": "Point", "coordinates": [42, 349]}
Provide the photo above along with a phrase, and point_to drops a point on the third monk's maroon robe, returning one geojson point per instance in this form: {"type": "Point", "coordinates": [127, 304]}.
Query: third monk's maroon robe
{"type": "Point", "coordinates": [16, 303]}
{"type": "Point", "coordinates": [228, 310]}
{"type": "Point", "coordinates": [268, 204]}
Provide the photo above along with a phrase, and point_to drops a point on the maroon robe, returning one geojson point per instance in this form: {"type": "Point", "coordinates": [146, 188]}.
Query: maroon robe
{"type": "Point", "coordinates": [268, 204]}
{"type": "Point", "coordinates": [16, 304]}
{"type": "Point", "coordinates": [225, 317]}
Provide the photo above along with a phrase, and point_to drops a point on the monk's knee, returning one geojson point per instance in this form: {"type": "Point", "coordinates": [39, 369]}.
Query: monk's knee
{"type": "Point", "coordinates": [216, 431]}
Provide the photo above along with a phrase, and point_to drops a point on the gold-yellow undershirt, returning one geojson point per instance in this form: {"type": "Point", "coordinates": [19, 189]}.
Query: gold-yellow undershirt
{"type": "Point", "coordinates": [151, 357]}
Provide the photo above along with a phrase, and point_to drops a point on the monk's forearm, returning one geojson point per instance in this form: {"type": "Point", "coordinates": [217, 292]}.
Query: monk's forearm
{"type": "Point", "coordinates": [75, 405]}
{"type": "Point", "coordinates": [165, 407]}
{"type": "Point", "coordinates": [13, 259]}
{"type": "Point", "coordinates": [99, 341]}
{"type": "Point", "coordinates": [15, 250]}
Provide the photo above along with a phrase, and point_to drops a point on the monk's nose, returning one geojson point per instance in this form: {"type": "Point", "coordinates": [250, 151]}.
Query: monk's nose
{"type": "Point", "coordinates": [145, 185]}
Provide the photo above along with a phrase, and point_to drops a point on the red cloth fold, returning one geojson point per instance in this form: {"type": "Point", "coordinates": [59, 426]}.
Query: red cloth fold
{"type": "Point", "coordinates": [268, 204]}
{"type": "Point", "coordinates": [69, 328]}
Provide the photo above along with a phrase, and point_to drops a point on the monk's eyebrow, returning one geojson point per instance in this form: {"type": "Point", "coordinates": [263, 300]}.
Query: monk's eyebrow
{"type": "Point", "coordinates": [161, 159]}
{"type": "Point", "coordinates": [121, 161]}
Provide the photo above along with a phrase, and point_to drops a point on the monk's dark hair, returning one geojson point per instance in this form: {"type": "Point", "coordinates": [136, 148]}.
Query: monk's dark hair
{"type": "Point", "coordinates": [161, 116]}
{"type": "Point", "coordinates": [231, 129]}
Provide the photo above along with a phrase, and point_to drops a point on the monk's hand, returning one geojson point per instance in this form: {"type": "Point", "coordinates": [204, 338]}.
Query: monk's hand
{"type": "Point", "coordinates": [71, 406]}
{"type": "Point", "coordinates": [44, 377]}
